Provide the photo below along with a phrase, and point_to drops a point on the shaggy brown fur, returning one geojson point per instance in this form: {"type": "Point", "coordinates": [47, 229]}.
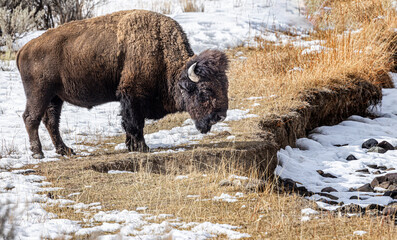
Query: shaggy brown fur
{"type": "Point", "coordinates": [137, 57]}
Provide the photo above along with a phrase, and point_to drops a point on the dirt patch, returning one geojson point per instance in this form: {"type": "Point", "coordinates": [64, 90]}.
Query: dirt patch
{"type": "Point", "coordinates": [319, 107]}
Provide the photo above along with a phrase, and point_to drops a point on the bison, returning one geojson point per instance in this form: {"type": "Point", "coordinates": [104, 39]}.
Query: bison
{"type": "Point", "coordinates": [140, 58]}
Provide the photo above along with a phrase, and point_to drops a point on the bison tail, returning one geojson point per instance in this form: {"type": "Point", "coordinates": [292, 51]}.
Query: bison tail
{"type": "Point", "coordinates": [17, 59]}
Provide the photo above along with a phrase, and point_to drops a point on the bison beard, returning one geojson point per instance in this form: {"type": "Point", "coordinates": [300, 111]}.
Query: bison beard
{"type": "Point", "coordinates": [140, 58]}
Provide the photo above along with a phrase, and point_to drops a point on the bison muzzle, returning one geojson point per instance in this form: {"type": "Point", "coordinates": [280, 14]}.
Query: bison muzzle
{"type": "Point", "coordinates": [140, 58]}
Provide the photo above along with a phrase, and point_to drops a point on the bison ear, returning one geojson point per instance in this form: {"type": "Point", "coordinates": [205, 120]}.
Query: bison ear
{"type": "Point", "coordinates": [211, 62]}
{"type": "Point", "coordinates": [188, 86]}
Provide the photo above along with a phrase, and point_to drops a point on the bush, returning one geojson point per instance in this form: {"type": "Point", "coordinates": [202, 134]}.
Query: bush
{"type": "Point", "coordinates": [191, 6]}
{"type": "Point", "coordinates": [18, 17]}
{"type": "Point", "coordinates": [15, 24]}
{"type": "Point", "coordinates": [5, 216]}
{"type": "Point", "coordinates": [69, 10]}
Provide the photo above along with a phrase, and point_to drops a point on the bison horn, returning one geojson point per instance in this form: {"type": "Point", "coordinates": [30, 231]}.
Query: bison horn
{"type": "Point", "coordinates": [193, 76]}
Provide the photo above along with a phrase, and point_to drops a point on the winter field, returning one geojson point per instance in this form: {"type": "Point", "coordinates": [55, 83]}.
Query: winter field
{"type": "Point", "coordinates": [275, 52]}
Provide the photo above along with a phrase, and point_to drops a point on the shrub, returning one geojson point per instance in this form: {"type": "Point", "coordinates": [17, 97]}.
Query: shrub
{"type": "Point", "coordinates": [4, 217]}
{"type": "Point", "coordinates": [191, 6]}
{"type": "Point", "coordinates": [16, 23]}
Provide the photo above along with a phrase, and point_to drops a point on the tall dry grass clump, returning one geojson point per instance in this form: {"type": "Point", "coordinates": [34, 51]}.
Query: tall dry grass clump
{"type": "Point", "coordinates": [191, 6]}
{"type": "Point", "coordinates": [346, 14]}
{"type": "Point", "coordinates": [282, 73]}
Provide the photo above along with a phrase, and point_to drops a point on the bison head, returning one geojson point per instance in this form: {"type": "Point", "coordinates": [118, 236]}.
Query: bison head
{"type": "Point", "coordinates": [203, 84]}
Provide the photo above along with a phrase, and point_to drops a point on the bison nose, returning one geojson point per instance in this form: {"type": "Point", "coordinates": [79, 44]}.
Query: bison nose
{"type": "Point", "coordinates": [221, 116]}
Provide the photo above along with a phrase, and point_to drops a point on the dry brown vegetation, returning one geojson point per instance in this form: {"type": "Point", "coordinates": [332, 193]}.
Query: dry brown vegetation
{"type": "Point", "coordinates": [281, 74]}
{"type": "Point", "coordinates": [191, 6]}
{"type": "Point", "coordinates": [264, 215]}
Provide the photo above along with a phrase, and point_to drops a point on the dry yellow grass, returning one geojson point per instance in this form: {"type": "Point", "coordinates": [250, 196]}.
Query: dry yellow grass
{"type": "Point", "coordinates": [341, 15]}
{"type": "Point", "coordinates": [191, 6]}
{"type": "Point", "coordinates": [264, 215]}
{"type": "Point", "coordinates": [279, 74]}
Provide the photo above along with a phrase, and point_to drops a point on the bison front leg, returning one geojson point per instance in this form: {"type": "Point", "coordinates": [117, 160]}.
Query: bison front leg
{"type": "Point", "coordinates": [133, 123]}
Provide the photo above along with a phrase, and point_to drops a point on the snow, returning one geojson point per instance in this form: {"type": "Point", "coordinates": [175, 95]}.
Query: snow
{"type": "Point", "coordinates": [187, 134]}
{"type": "Point", "coordinates": [228, 198]}
{"type": "Point", "coordinates": [181, 177]}
{"type": "Point", "coordinates": [306, 214]}
{"type": "Point", "coordinates": [359, 233]}
{"type": "Point", "coordinates": [226, 23]}
{"type": "Point", "coordinates": [232, 176]}
{"type": "Point", "coordinates": [192, 196]}
{"type": "Point", "coordinates": [327, 147]}
{"type": "Point", "coordinates": [118, 172]}
{"type": "Point", "coordinates": [309, 211]}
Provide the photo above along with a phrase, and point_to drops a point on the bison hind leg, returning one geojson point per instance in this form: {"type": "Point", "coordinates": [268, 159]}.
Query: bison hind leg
{"type": "Point", "coordinates": [35, 107]}
{"type": "Point", "coordinates": [51, 120]}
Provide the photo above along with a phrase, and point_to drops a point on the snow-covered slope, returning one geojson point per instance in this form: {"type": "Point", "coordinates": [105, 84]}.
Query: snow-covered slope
{"type": "Point", "coordinates": [225, 23]}
{"type": "Point", "coordinates": [328, 147]}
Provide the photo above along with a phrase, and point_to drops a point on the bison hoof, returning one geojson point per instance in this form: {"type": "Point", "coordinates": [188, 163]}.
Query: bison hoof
{"type": "Point", "coordinates": [38, 155]}
{"type": "Point", "coordinates": [65, 151]}
{"type": "Point", "coordinates": [139, 147]}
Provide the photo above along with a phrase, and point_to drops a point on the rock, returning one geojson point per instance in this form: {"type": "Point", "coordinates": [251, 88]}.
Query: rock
{"type": "Point", "coordinates": [369, 143]}
{"type": "Point", "coordinates": [384, 185]}
{"type": "Point", "coordinates": [365, 170]}
{"type": "Point", "coordinates": [237, 183]}
{"type": "Point", "coordinates": [390, 169]}
{"type": "Point", "coordinates": [375, 206]}
{"type": "Point", "coordinates": [49, 195]}
{"type": "Point", "coordinates": [351, 157]}
{"type": "Point", "coordinates": [392, 187]}
{"type": "Point", "coordinates": [9, 186]}
{"type": "Point", "coordinates": [385, 145]}
{"type": "Point", "coordinates": [382, 168]}
{"type": "Point", "coordinates": [389, 211]}
{"type": "Point", "coordinates": [328, 201]}
{"type": "Point", "coordinates": [390, 178]}
{"type": "Point", "coordinates": [377, 150]}
{"type": "Point", "coordinates": [26, 172]}
{"type": "Point", "coordinates": [225, 183]}
{"type": "Point", "coordinates": [365, 188]}
{"type": "Point", "coordinates": [378, 180]}
{"type": "Point", "coordinates": [328, 189]}
{"type": "Point", "coordinates": [289, 185]}
{"type": "Point", "coordinates": [326, 175]}
{"type": "Point", "coordinates": [357, 198]}
{"type": "Point", "coordinates": [352, 208]}
{"type": "Point", "coordinates": [341, 145]}
{"type": "Point", "coordinates": [372, 166]}
{"type": "Point", "coordinates": [392, 194]}
{"type": "Point", "coordinates": [303, 191]}
{"type": "Point", "coordinates": [376, 172]}
{"type": "Point", "coordinates": [255, 185]}
{"type": "Point", "coordinates": [327, 195]}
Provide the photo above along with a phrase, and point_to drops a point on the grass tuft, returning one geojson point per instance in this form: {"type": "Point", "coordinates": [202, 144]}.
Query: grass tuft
{"type": "Point", "coordinates": [191, 6]}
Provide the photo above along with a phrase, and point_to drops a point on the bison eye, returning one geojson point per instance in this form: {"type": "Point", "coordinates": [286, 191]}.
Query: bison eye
{"type": "Point", "coordinates": [187, 86]}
